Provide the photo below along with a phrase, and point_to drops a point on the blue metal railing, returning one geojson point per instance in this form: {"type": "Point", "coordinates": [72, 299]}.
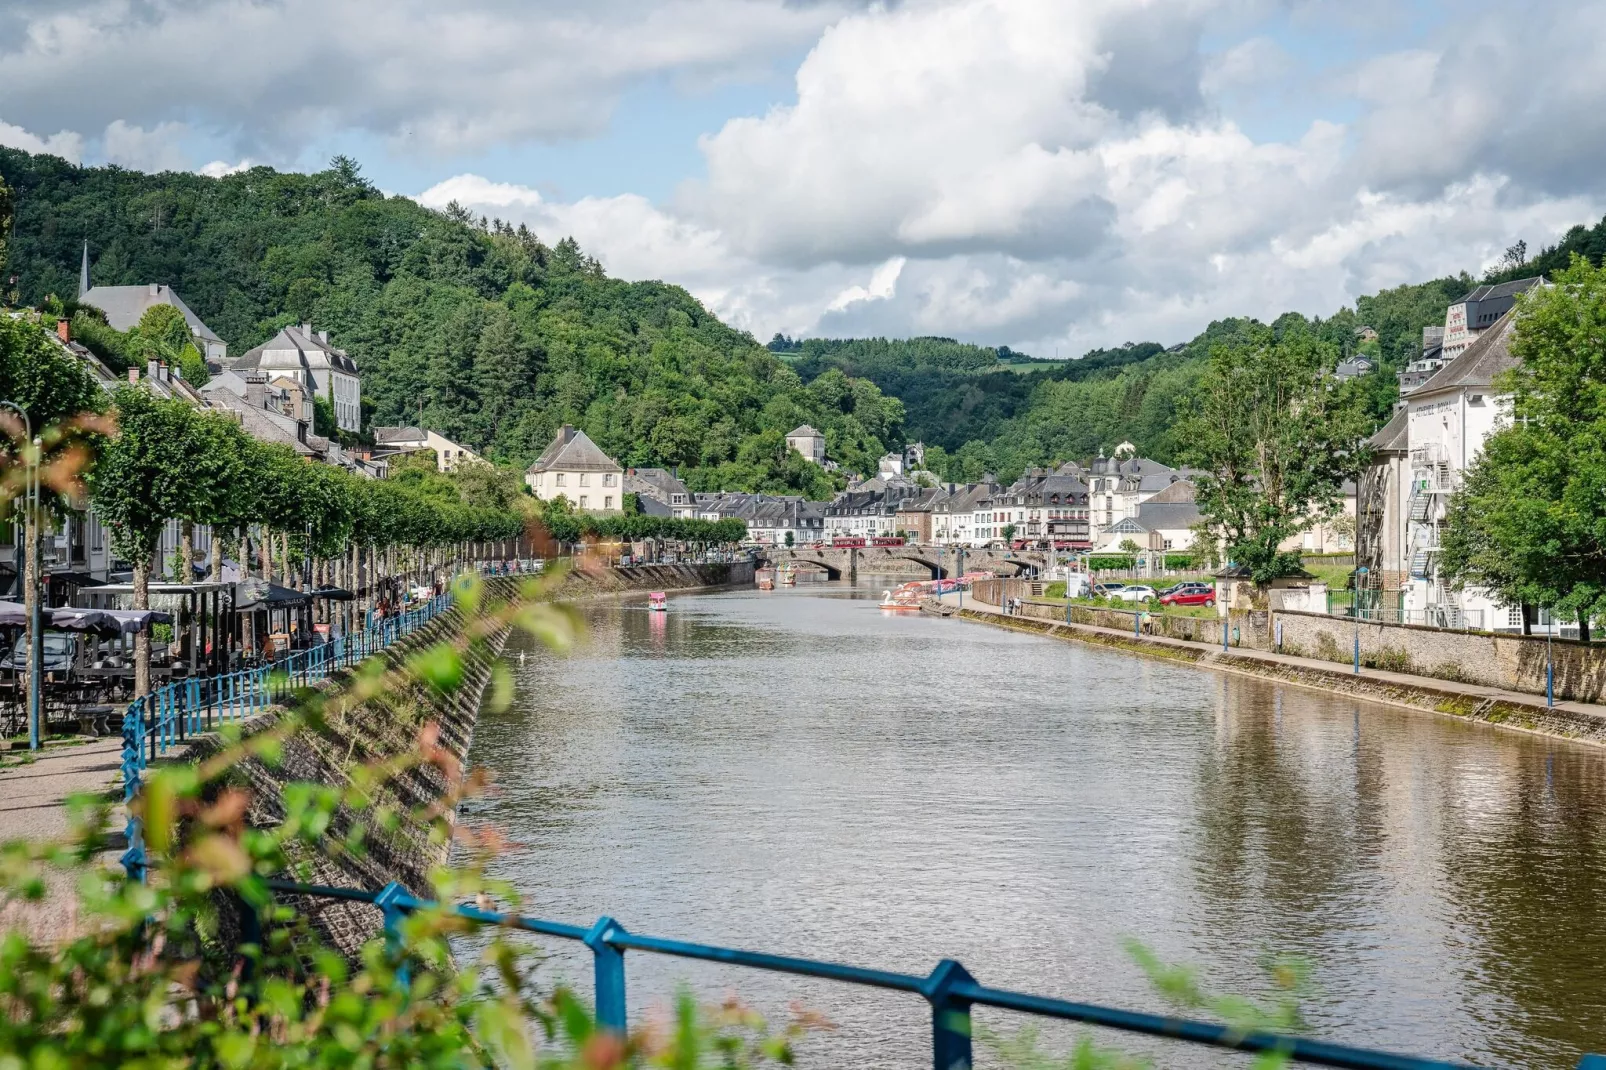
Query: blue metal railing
{"type": "Point", "coordinates": [158, 722]}
{"type": "Point", "coordinates": [949, 989]}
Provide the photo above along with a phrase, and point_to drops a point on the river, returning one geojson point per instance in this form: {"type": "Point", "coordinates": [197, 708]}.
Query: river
{"type": "Point", "coordinates": [797, 772]}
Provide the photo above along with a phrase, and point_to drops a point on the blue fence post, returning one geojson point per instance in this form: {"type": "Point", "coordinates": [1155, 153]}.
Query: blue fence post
{"type": "Point", "coordinates": [1137, 616]}
{"type": "Point", "coordinates": [133, 858]}
{"type": "Point", "coordinates": [950, 1016]}
{"type": "Point", "coordinates": [1223, 635]}
{"type": "Point", "coordinates": [394, 902]}
{"type": "Point", "coordinates": [610, 970]}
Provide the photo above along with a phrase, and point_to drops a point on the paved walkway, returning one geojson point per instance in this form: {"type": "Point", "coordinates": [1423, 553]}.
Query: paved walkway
{"type": "Point", "coordinates": [1214, 656]}
{"type": "Point", "coordinates": [33, 806]}
{"type": "Point", "coordinates": [33, 796]}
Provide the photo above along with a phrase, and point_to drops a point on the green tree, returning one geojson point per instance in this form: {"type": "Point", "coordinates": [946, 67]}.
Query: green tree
{"type": "Point", "coordinates": [1130, 546]}
{"type": "Point", "coordinates": [1276, 437]}
{"type": "Point", "coordinates": [141, 480]}
{"type": "Point", "coordinates": [1528, 522]}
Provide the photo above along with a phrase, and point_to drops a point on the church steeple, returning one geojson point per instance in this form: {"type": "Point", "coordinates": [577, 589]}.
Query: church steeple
{"type": "Point", "coordinates": [83, 273]}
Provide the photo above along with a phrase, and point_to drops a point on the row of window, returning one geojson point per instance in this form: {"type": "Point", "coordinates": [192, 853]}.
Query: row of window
{"type": "Point", "coordinates": [584, 480]}
{"type": "Point", "coordinates": [607, 501]}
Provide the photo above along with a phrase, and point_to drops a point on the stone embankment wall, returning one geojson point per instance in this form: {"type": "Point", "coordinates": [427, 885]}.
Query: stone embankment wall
{"type": "Point", "coordinates": [1508, 662]}
{"type": "Point", "coordinates": [585, 581]}
{"type": "Point", "coordinates": [1531, 716]}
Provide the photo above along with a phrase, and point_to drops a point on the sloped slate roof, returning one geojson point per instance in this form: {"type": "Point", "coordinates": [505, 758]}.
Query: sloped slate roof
{"type": "Point", "coordinates": [1394, 436]}
{"type": "Point", "coordinates": [384, 436]}
{"type": "Point", "coordinates": [1479, 364]}
{"type": "Point", "coordinates": [1502, 289]}
{"type": "Point", "coordinates": [302, 343]}
{"type": "Point", "coordinates": [1181, 491]}
{"type": "Point", "coordinates": [1170, 515]}
{"type": "Point", "coordinates": [573, 451]}
{"type": "Point", "coordinates": [124, 305]}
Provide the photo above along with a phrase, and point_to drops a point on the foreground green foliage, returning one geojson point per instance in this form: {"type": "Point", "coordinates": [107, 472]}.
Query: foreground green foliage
{"type": "Point", "coordinates": [157, 975]}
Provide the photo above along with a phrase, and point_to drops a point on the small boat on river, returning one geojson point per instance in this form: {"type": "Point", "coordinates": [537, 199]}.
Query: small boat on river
{"type": "Point", "coordinates": [905, 599]}
{"type": "Point", "coordinates": [657, 602]}
{"type": "Point", "coordinates": [788, 576]}
{"type": "Point", "coordinates": [765, 579]}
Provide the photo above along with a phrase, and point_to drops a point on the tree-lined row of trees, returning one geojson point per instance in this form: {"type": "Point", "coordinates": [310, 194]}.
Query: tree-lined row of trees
{"type": "Point", "coordinates": [171, 461]}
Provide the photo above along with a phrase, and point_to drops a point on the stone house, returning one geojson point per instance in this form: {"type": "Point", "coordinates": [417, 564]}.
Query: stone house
{"type": "Point", "coordinates": [325, 371]}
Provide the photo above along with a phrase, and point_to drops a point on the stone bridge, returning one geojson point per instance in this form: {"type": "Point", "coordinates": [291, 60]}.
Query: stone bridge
{"type": "Point", "coordinates": [939, 562]}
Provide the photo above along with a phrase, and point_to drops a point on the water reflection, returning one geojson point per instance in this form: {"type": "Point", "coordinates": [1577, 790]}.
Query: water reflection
{"type": "Point", "coordinates": [796, 771]}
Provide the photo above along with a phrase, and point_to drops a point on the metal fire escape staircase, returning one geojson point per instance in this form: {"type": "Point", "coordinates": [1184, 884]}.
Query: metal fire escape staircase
{"type": "Point", "coordinates": [1431, 480]}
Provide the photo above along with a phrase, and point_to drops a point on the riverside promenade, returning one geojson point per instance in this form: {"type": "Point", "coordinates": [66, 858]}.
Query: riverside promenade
{"type": "Point", "coordinates": [1514, 710]}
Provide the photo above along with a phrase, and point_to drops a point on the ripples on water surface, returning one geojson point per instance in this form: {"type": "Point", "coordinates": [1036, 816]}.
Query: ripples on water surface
{"type": "Point", "coordinates": [797, 772]}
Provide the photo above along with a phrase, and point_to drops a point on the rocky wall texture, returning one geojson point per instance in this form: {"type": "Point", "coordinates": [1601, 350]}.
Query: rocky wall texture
{"type": "Point", "coordinates": [374, 731]}
{"type": "Point", "coordinates": [1532, 716]}
{"type": "Point", "coordinates": [587, 581]}
{"type": "Point", "coordinates": [1509, 662]}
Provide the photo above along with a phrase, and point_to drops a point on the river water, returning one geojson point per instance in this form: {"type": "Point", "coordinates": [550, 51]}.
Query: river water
{"type": "Point", "coordinates": [797, 772]}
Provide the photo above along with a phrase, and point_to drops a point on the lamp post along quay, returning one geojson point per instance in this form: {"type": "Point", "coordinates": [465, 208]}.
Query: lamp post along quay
{"type": "Point", "coordinates": [1355, 611]}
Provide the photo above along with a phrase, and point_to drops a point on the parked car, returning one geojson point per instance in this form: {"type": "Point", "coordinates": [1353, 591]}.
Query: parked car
{"type": "Point", "coordinates": [1138, 592]}
{"type": "Point", "coordinates": [1189, 594]}
{"type": "Point", "coordinates": [1107, 590]}
{"type": "Point", "coordinates": [56, 656]}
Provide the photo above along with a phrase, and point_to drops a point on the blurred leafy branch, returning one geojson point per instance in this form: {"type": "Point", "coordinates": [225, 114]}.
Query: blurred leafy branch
{"type": "Point", "coordinates": [171, 972]}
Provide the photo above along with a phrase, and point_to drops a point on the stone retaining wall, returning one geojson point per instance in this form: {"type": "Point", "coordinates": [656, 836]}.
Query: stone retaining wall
{"type": "Point", "coordinates": [581, 581]}
{"type": "Point", "coordinates": [1509, 662]}
{"type": "Point", "coordinates": [1526, 716]}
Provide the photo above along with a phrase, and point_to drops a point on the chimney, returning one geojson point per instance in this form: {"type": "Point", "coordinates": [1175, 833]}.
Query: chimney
{"type": "Point", "coordinates": [63, 330]}
{"type": "Point", "coordinates": [306, 330]}
{"type": "Point", "coordinates": [323, 336]}
{"type": "Point", "coordinates": [568, 432]}
{"type": "Point", "coordinates": [161, 372]}
{"type": "Point", "coordinates": [150, 370]}
{"type": "Point", "coordinates": [133, 375]}
{"type": "Point", "coordinates": [256, 390]}
{"type": "Point", "coordinates": [156, 289]}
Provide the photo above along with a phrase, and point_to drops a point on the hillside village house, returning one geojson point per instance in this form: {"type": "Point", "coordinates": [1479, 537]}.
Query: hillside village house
{"type": "Point", "coordinates": [1164, 522]}
{"type": "Point", "coordinates": [660, 492]}
{"type": "Point", "coordinates": [324, 371]}
{"type": "Point", "coordinates": [449, 456]}
{"type": "Point", "coordinates": [124, 305]}
{"type": "Point", "coordinates": [1479, 311]}
{"type": "Point", "coordinates": [808, 442]}
{"type": "Point", "coordinates": [574, 468]}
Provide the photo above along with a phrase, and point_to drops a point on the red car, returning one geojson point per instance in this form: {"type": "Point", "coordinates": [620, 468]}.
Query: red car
{"type": "Point", "coordinates": [1189, 594]}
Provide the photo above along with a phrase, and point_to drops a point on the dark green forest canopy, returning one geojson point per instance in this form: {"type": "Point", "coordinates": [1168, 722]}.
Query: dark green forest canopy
{"type": "Point", "coordinates": [496, 338]}
{"type": "Point", "coordinates": [472, 327]}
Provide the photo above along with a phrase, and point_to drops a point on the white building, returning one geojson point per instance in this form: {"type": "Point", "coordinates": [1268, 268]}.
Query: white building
{"type": "Point", "coordinates": [1448, 419]}
{"type": "Point", "coordinates": [1478, 311]}
{"type": "Point", "coordinates": [808, 442]}
{"type": "Point", "coordinates": [573, 467]}
{"type": "Point", "coordinates": [305, 354]}
{"type": "Point", "coordinates": [449, 456]}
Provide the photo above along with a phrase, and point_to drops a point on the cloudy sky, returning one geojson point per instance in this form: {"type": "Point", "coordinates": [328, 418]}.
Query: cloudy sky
{"type": "Point", "coordinates": [1047, 174]}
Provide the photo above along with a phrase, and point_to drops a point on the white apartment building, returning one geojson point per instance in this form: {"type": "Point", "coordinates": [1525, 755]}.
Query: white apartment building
{"type": "Point", "coordinates": [325, 371]}
{"type": "Point", "coordinates": [1448, 418]}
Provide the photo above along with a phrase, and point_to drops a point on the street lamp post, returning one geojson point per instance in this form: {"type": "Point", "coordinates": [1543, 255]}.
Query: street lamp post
{"type": "Point", "coordinates": [1550, 665]}
{"type": "Point", "coordinates": [1355, 611]}
{"type": "Point", "coordinates": [30, 571]}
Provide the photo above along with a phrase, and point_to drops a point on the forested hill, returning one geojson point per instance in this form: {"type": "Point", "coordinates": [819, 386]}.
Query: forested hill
{"type": "Point", "coordinates": [482, 331]}
{"type": "Point", "coordinates": [986, 411]}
